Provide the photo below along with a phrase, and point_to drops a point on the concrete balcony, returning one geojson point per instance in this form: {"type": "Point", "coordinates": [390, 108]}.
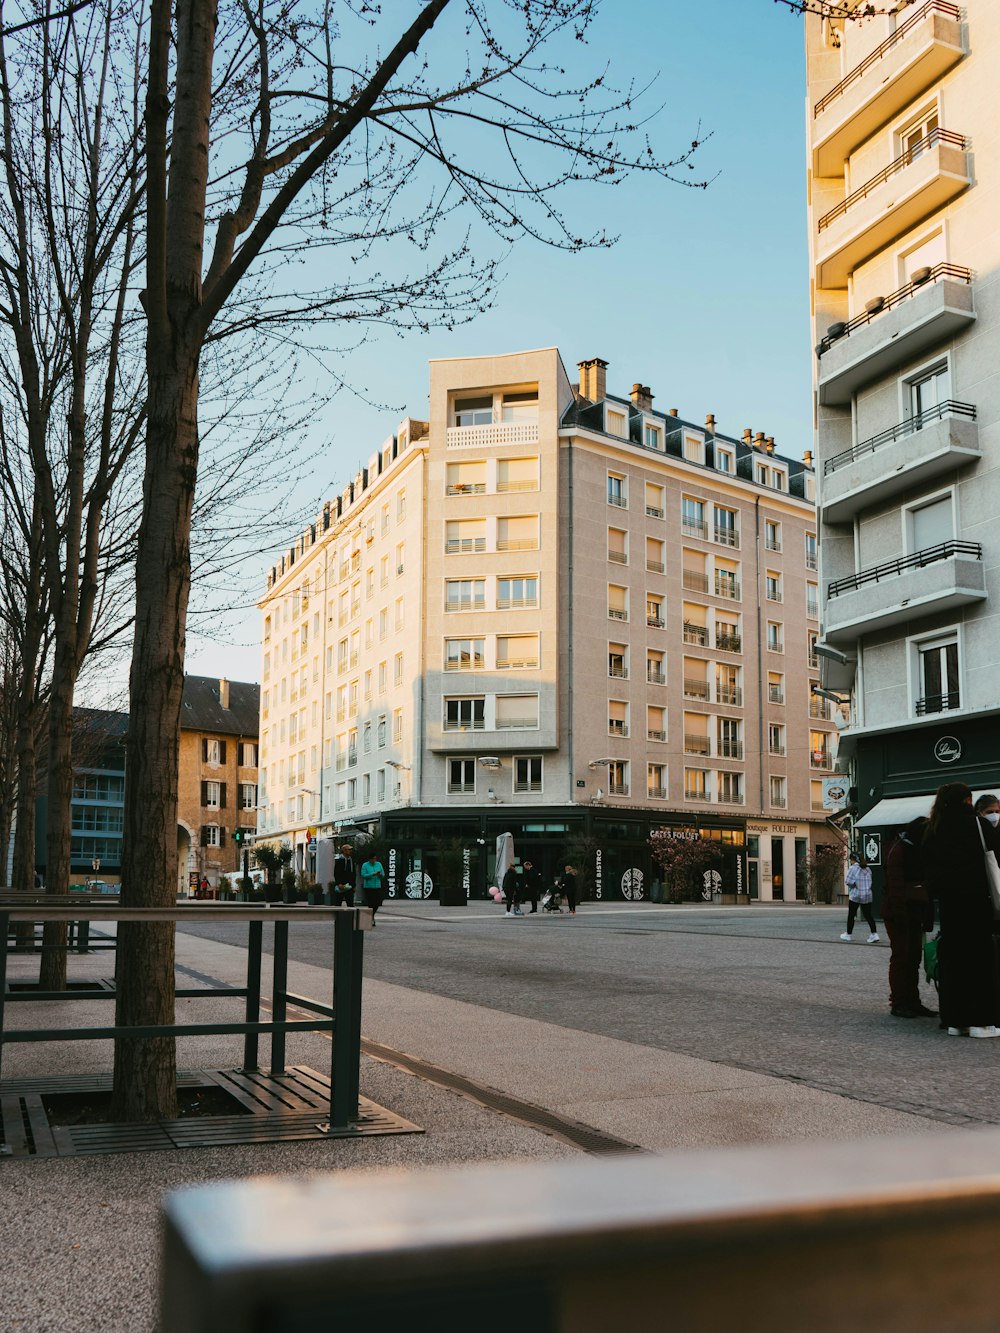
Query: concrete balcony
{"type": "Point", "coordinates": [892, 76]}
{"type": "Point", "coordinates": [911, 454]}
{"type": "Point", "coordinates": [933, 307]}
{"type": "Point", "coordinates": [918, 183]}
{"type": "Point", "coordinates": [499, 432]}
{"type": "Point", "coordinates": [926, 583]}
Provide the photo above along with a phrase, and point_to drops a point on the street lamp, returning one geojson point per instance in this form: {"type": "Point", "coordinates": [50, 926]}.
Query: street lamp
{"type": "Point", "coordinates": [832, 695]}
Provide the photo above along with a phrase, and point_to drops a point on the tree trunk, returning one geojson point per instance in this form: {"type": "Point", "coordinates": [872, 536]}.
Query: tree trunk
{"type": "Point", "coordinates": [60, 794]}
{"type": "Point", "coordinates": [23, 869]}
{"type": "Point", "coordinates": [146, 1068]}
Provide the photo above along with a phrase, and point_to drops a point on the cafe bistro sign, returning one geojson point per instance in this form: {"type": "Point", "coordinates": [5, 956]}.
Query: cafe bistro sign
{"type": "Point", "coordinates": [947, 750]}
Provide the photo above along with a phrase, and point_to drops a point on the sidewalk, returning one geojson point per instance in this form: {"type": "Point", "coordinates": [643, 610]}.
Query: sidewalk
{"type": "Point", "coordinates": [80, 1236]}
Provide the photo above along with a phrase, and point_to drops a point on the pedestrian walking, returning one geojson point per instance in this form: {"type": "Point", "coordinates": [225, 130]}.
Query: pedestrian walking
{"type": "Point", "coordinates": [344, 876]}
{"type": "Point", "coordinates": [859, 898]}
{"type": "Point", "coordinates": [568, 887]}
{"type": "Point", "coordinates": [512, 891]}
{"type": "Point", "coordinates": [907, 912]}
{"type": "Point", "coordinates": [532, 883]}
{"type": "Point", "coordinates": [955, 844]}
{"type": "Point", "coordinates": [372, 883]}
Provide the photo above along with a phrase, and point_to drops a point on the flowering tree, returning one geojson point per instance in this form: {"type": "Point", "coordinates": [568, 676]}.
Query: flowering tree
{"type": "Point", "coordinates": [824, 869]}
{"type": "Point", "coordinates": [683, 860]}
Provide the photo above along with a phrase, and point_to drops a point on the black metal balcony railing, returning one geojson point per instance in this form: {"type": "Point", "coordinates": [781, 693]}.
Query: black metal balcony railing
{"type": "Point", "coordinates": [696, 634]}
{"type": "Point", "coordinates": [655, 621]}
{"type": "Point", "coordinates": [656, 676]}
{"type": "Point", "coordinates": [949, 408]}
{"type": "Point", "coordinates": [694, 580]}
{"type": "Point", "coordinates": [653, 734]}
{"type": "Point", "coordinates": [730, 749]}
{"type": "Point", "coordinates": [931, 274]}
{"type": "Point", "coordinates": [859, 71]}
{"type": "Point", "coordinates": [728, 643]}
{"type": "Point", "coordinates": [931, 140]}
{"type": "Point", "coordinates": [928, 556]}
{"type": "Point", "coordinates": [617, 788]}
{"type": "Point", "coordinates": [618, 671]}
{"type": "Point", "coordinates": [696, 689]}
{"type": "Point", "coordinates": [653, 511]}
{"type": "Point", "coordinates": [938, 703]}
{"type": "Point", "coordinates": [820, 709]}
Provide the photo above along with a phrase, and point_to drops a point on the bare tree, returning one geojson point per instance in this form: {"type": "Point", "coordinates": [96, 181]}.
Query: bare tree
{"type": "Point", "coordinates": [335, 130]}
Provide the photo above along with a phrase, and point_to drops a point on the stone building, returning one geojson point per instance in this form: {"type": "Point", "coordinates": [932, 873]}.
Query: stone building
{"type": "Point", "coordinates": [559, 612]}
{"type": "Point", "coordinates": [217, 777]}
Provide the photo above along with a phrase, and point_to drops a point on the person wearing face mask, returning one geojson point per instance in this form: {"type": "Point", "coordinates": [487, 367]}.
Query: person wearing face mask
{"type": "Point", "coordinates": [953, 847]}
{"type": "Point", "coordinates": [907, 911]}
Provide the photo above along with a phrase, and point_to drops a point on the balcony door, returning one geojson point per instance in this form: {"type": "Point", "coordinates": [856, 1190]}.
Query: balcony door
{"type": "Point", "coordinates": [931, 524]}
{"type": "Point", "coordinates": [939, 687]}
{"type": "Point", "coordinates": [929, 391]}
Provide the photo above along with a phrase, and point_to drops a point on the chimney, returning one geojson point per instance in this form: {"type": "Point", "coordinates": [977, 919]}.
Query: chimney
{"type": "Point", "coordinates": [710, 423]}
{"type": "Point", "coordinates": [747, 435]}
{"type": "Point", "coordinates": [224, 692]}
{"type": "Point", "coordinates": [807, 458]}
{"type": "Point", "coordinates": [758, 440]}
{"type": "Point", "coordinates": [672, 412]}
{"type": "Point", "coordinates": [769, 444]}
{"type": "Point", "coordinates": [594, 379]}
{"type": "Point", "coordinates": [642, 397]}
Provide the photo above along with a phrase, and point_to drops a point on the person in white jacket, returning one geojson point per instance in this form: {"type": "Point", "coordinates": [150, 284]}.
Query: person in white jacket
{"type": "Point", "coordinates": [859, 896]}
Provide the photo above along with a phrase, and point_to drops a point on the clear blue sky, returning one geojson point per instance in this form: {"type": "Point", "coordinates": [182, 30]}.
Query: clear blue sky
{"type": "Point", "coordinates": [705, 298]}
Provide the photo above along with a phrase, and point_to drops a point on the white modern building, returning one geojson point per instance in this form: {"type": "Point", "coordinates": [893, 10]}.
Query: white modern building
{"type": "Point", "coordinates": [904, 187]}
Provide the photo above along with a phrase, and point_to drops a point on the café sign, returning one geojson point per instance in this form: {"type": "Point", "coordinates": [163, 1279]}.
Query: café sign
{"type": "Point", "coordinates": [947, 750]}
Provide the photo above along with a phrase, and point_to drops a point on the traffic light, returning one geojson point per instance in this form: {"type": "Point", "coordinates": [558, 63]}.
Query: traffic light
{"type": "Point", "coordinates": [238, 836]}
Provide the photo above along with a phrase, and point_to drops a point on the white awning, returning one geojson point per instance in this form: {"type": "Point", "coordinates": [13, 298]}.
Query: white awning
{"type": "Point", "coordinates": [898, 811]}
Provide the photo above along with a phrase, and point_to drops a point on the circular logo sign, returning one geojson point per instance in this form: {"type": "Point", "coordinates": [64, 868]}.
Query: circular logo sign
{"type": "Point", "coordinates": [947, 749]}
{"type": "Point", "coordinates": [419, 884]}
{"type": "Point", "coordinates": [633, 886]}
{"type": "Point", "coordinates": [711, 883]}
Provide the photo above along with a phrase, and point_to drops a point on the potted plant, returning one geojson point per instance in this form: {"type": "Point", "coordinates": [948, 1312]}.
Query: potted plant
{"type": "Point", "coordinates": [272, 861]}
{"type": "Point", "coordinates": [225, 888]}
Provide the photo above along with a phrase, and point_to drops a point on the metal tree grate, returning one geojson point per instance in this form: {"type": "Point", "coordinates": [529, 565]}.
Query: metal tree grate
{"type": "Point", "coordinates": [284, 1108]}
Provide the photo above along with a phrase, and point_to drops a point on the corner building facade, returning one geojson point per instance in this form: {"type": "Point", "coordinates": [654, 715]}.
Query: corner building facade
{"type": "Point", "coordinates": [904, 186]}
{"type": "Point", "coordinates": [589, 619]}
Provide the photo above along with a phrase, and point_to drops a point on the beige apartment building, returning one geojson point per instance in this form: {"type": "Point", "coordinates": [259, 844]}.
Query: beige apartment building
{"type": "Point", "coordinates": [557, 612]}
{"type": "Point", "coordinates": [904, 187]}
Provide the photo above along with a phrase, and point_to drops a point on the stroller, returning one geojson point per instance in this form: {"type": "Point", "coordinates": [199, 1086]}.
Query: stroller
{"type": "Point", "coordinates": [552, 900]}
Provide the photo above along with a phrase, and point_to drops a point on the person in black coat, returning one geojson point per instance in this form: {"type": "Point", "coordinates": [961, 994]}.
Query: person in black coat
{"type": "Point", "coordinates": [967, 982]}
{"type": "Point", "coordinates": [907, 911]}
{"type": "Point", "coordinates": [532, 882]}
{"type": "Point", "coordinates": [512, 891]}
{"type": "Point", "coordinates": [344, 877]}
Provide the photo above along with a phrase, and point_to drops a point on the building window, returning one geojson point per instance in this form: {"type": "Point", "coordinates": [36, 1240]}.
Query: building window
{"type": "Point", "coordinates": [775, 637]}
{"type": "Point", "coordinates": [930, 524]}
{"type": "Point", "coordinates": [811, 551]}
{"type": "Point", "coordinates": [380, 730]}
{"type": "Point", "coordinates": [654, 612]}
{"type": "Point", "coordinates": [474, 411]}
{"type": "Point", "coordinates": [618, 777]}
{"type": "Point", "coordinates": [656, 673]}
{"type": "Point", "coordinates": [617, 546]}
{"type": "Point", "coordinates": [517, 474]}
{"type": "Point", "coordinates": [772, 584]}
{"type": "Point", "coordinates": [213, 752]}
{"type": "Point", "coordinates": [617, 718]}
{"type": "Point", "coordinates": [812, 601]}
{"type": "Point", "coordinates": [730, 738]}
{"type": "Point", "coordinates": [775, 738]}
{"type": "Point", "coordinates": [461, 777]}
{"type": "Point", "coordinates": [616, 423]}
{"type": "Point", "coordinates": [464, 594]}
{"type": "Point", "coordinates": [212, 795]}
{"type": "Point", "coordinates": [929, 390]}
{"type": "Point", "coordinates": [517, 652]}
{"type": "Point", "coordinates": [772, 535]}
{"type": "Point", "coordinates": [461, 655]}
{"type": "Point", "coordinates": [617, 602]}
{"type": "Point", "coordinates": [819, 749]}
{"type": "Point", "coordinates": [938, 676]}
{"type": "Point", "coordinates": [528, 773]}
{"type": "Point", "coordinates": [397, 678]}
{"type": "Point", "coordinates": [517, 592]}
{"type": "Point", "coordinates": [694, 449]}
{"type": "Point", "coordinates": [725, 526]}
{"type": "Point", "coordinates": [617, 493]}
{"type": "Point", "coordinates": [248, 795]}
{"type": "Point", "coordinates": [778, 793]}
{"type": "Point", "coordinates": [652, 437]}
{"type": "Point", "coordinates": [656, 782]}
{"type": "Point", "coordinates": [724, 460]}
{"type": "Point", "coordinates": [775, 687]}
{"type": "Point", "coordinates": [380, 785]}
{"type": "Point", "coordinates": [618, 661]}
{"type": "Point", "coordinates": [464, 714]}
{"type": "Point", "coordinates": [211, 835]}
{"type": "Point", "coordinates": [397, 725]}
{"type": "Point", "coordinates": [654, 500]}
{"type": "Point", "coordinates": [696, 784]}
{"type": "Point", "coordinates": [693, 517]}
{"type": "Point", "coordinates": [516, 712]}
{"type": "Point", "coordinates": [731, 788]}
{"type": "Point", "coordinates": [656, 723]}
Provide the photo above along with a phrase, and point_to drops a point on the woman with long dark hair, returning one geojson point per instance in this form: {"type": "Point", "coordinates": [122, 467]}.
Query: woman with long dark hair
{"type": "Point", "coordinates": [954, 840]}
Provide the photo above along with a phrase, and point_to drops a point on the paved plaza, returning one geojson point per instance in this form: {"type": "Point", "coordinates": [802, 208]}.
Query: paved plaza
{"type": "Point", "coordinates": [664, 1027]}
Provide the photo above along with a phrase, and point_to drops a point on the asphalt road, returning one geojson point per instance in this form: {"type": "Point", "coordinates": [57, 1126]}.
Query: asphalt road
{"type": "Point", "coordinates": [769, 989]}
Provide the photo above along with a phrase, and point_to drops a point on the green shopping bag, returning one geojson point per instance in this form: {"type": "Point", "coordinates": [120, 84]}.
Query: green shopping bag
{"type": "Point", "coordinates": [931, 958]}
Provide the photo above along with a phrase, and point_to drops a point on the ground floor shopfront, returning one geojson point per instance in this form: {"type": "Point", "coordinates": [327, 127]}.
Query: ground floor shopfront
{"type": "Point", "coordinates": [895, 775]}
{"type": "Point", "coordinates": [435, 852]}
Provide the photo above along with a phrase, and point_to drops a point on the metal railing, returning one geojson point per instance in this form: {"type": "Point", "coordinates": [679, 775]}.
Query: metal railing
{"type": "Point", "coordinates": [655, 622]}
{"type": "Point", "coordinates": [938, 703]}
{"type": "Point", "coordinates": [656, 735]}
{"type": "Point", "coordinates": [515, 603]}
{"type": "Point", "coordinates": [616, 613]}
{"type": "Point", "coordinates": [696, 689]}
{"type": "Point", "coordinates": [619, 501]}
{"type": "Point", "coordinates": [655, 676]}
{"type": "Point", "coordinates": [516, 723]}
{"type": "Point", "coordinates": [728, 643]}
{"type": "Point", "coordinates": [617, 788]}
{"type": "Point", "coordinates": [775, 694]}
{"type": "Point", "coordinates": [694, 580]}
{"type": "Point", "coordinates": [931, 140]}
{"type": "Point", "coordinates": [694, 527]}
{"type": "Point", "coordinates": [949, 408]}
{"type": "Point", "coordinates": [458, 545]}
{"type": "Point", "coordinates": [618, 557]}
{"type": "Point", "coordinates": [732, 796]}
{"type": "Point", "coordinates": [466, 488]}
{"type": "Point", "coordinates": [467, 604]}
{"type": "Point", "coordinates": [655, 566]}
{"type": "Point", "coordinates": [727, 536]}
{"type": "Point", "coordinates": [730, 750]}
{"type": "Point", "coordinates": [697, 745]}
{"type": "Point", "coordinates": [820, 709]}
{"type": "Point", "coordinates": [504, 486]}
{"type": "Point", "coordinates": [517, 544]}
{"type": "Point", "coordinates": [618, 672]}
{"type": "Point", "coordinates": [779, 802]}
{"type": "Point", "coordinates": [933, 274]}
{"type": "Point", "coordinates": [656, 793]}
{"type": "Point", "coordinates": [918, 560]}
{"type": "Point", "coordinates": [616, 728]}
{"type": "Point", "coordinates": [727, 587]}
{"type": "Point", "coordinates": [859, 71]}
{"type": "Point", "coordinates": [690, 795]}
{"type": "Point", "coordinates": [729, 694]}
{"type": "Point", "coordinates": [697, 634]}
{"type": "Point", "coordinates": [476, 724]}
{"type": "Point", "coordinates": [653, 512]}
